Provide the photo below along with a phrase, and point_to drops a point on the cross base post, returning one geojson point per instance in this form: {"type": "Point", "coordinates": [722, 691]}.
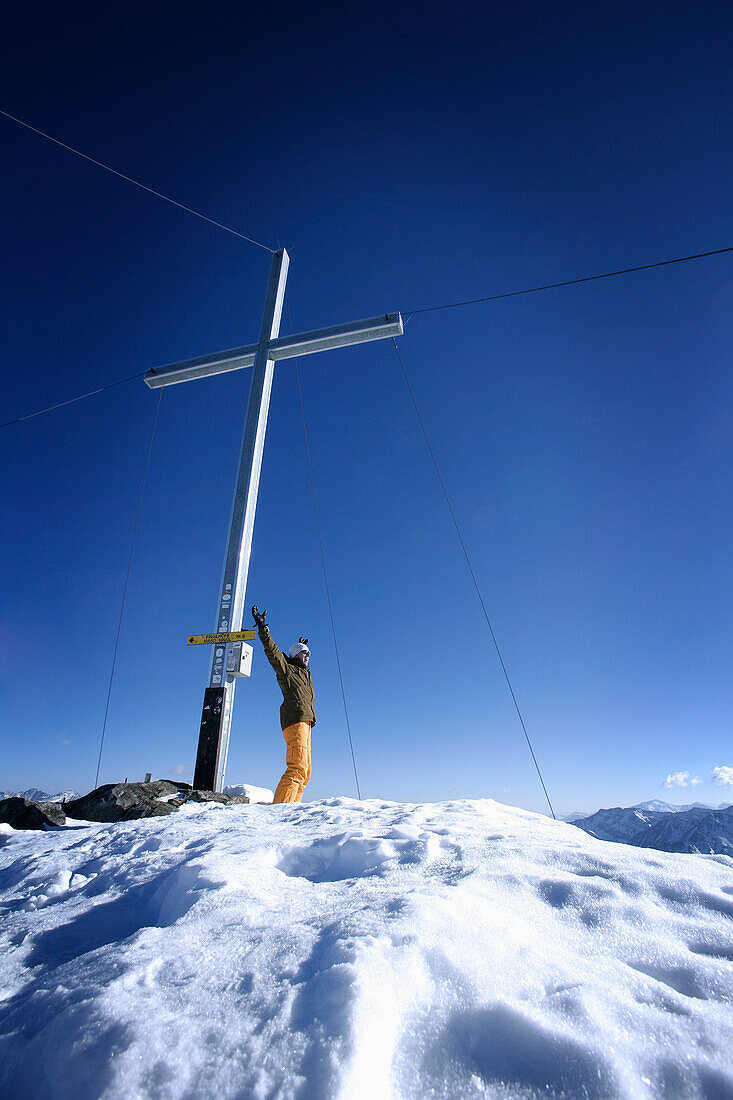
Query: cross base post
{"type": "Point", "coordinates": [207, 757]}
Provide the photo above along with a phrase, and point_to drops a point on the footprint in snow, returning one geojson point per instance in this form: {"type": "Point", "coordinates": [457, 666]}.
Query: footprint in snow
{"type": "Point", "coordinates": [344, 857]}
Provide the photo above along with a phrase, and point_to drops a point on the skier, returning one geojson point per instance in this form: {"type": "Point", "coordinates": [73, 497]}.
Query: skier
{"type": "Point", "coordinates": [297, 713]}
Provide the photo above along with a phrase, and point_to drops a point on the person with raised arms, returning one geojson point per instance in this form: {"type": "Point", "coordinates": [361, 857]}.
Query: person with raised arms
{"type": "Point", "coordinates": [297, 713]}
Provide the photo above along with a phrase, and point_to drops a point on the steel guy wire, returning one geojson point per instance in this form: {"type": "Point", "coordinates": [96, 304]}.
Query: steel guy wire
{"type": "Point", "coordinates": [323, 561]}
{"type": "Point", "coordinates": [129, 179]}
{"type": "Point", "coordinates": [124, 591]}
{"type": "Point", "coordinates": [473, 575]}
{"type": "Point", "coordinates": [571, 282]}
{"type": "Point", "coordinates": [71, 400]}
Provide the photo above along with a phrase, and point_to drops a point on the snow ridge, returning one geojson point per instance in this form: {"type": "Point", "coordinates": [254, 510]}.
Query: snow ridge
{"type": "Point", "coordinates": [343, 949]}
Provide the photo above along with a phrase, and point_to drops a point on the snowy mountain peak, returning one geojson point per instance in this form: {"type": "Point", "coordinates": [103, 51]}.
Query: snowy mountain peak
{"type": "Point", "coordinates": [660, 807]}
{"type": "Point", "coordinates": [670, 808]}
{"type": "Point", "coordinates": [33, 794]}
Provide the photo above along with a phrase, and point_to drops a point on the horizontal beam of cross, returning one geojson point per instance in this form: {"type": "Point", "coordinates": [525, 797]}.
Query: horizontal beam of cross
{"type": "Point", "coordinates": [284, 347]}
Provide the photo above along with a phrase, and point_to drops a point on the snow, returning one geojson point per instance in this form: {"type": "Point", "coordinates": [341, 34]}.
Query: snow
{"type": "Point", "coordinates": [254, 794]}
{"type": "Point", "coordinates": [344, 949]}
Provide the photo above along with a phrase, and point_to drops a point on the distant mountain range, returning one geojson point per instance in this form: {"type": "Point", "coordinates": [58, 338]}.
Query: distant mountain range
{"type": "Point", "coordinates": [34, 795]}
{"type": "Point", "coordinates": [697, 829]}
{"type": "Point", "coordinates": [668, 808]}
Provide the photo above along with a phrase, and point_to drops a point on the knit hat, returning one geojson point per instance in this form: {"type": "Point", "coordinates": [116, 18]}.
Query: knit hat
{"type": "Point", "coordinates": [297, 648]}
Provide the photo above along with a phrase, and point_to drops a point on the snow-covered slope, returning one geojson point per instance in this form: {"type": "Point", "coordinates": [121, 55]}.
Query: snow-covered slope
{"type": "Point", "coordinates": [344, 949]}
{"type": "Point", "coordinates": [697, 829]}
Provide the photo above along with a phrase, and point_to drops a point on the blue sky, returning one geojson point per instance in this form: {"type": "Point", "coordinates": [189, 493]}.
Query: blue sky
{"type": "Point", "coordinates": [405, 159]}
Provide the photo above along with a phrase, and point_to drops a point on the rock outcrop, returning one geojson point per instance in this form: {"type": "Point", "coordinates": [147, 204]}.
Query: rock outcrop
{"type": "Point", "coordinates": [111, 802]}
{"type": "Point", "coordinates": [21, 813]}
{"type": "Point", "coordinates": [130, 801]}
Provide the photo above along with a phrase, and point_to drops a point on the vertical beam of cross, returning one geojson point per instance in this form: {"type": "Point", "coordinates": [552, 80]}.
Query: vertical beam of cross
{"type": "Point", "coordinates": [219, 695]}
{"type": "Point", "coordinates": [216, 718]}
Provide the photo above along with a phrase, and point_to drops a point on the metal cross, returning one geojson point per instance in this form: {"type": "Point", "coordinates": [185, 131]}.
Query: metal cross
{"type": "Point", "coordinates": [219, 695]}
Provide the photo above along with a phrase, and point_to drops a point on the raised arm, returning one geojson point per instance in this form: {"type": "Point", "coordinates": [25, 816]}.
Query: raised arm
{"type": "Point", "coordinates": [273, 654]}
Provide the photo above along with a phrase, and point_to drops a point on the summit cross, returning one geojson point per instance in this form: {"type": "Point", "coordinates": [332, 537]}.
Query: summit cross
{"type": "Point", "coordinates": [216, 716]}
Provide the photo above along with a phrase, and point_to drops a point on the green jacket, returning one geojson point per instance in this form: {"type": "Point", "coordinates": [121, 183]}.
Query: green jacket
{"type": "Point", "coordinates": [295, 683]}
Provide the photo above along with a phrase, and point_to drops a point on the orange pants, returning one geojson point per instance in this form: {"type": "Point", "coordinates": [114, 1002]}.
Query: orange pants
{"type": "Point", "coordinates": [298, 761]}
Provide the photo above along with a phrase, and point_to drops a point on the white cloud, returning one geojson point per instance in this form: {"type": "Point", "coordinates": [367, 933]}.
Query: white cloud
{"type": "Point", "coordinates": [722, 775]}
{"type": "Point", "coordinates": [677, 779]}
{"type": "Point", "coordinates": [695, 781]}
{"type": "Point", "coordinates": [65, 741]}
{"type": "Point", "coordinates": [180, 769]}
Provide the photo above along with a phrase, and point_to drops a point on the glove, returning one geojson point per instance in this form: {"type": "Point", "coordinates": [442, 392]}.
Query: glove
{"type": "Point", "coordinates": [259, 616]}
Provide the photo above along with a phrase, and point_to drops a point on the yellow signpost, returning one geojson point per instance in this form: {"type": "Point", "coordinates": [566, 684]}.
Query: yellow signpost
{"type": "Point", "coordinates": [222, 639]}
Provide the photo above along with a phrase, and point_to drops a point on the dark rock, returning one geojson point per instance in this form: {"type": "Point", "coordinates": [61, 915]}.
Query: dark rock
{"type": "Point", "coordinates": [130, 801]}
{"type": "Point", "coordinates": [216, 796]}
{"type": "Point", "coordinates": [24, 814]}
